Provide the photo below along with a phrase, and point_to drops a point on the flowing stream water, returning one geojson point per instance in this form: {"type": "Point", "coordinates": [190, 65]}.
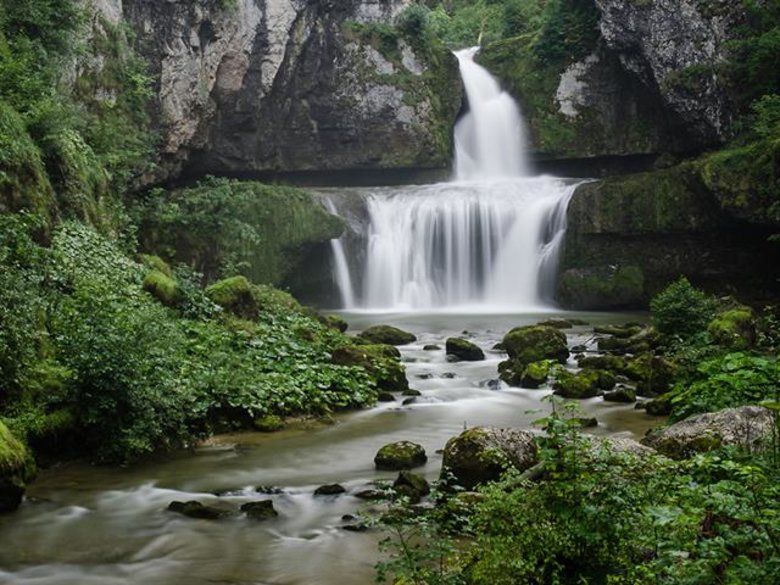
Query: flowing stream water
{"type": "Point", "coordinates": [447, 259]}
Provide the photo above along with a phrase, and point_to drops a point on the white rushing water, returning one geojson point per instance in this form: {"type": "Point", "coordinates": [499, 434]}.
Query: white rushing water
{"type": "Point", "coordinates": [489, 239]}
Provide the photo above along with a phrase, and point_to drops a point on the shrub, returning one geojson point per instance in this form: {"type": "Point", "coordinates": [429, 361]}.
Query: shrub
{"type": "Point", "coordinates": [681, 311]}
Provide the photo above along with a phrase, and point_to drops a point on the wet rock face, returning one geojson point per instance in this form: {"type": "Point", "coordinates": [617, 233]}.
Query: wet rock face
{"type": "Point", "coordinates": [290, 85]}
{"type": "Point", "coordinates": [675, 46]}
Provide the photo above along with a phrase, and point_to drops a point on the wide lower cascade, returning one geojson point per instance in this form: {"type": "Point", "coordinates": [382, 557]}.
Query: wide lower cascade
{"type": "Point", "coordinates": [489, 239]}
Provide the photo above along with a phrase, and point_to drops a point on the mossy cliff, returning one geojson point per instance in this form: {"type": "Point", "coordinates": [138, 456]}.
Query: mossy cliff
{"type": "Point", "coordinates": [630, 236]}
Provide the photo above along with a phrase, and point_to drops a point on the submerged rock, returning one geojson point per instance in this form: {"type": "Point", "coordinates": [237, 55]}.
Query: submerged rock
{"type": "Point", "coordinates": [400, 455]}
{"type": "Point", "coordinates": [270, 423]}
{"type": "Point", "coordinates": [387, 334]}
{"type": "Point", "coordinates": [482, 454]}
{"type": "Point", "coordinates": [431, 347]}
{"type": "Point", "coordinates": [195, 509]}
{"type": "Point", "coordinates": [260, 510]}
{"type": "Point", "coordinates": [462, 349]}
{"type": "Point", "coordinates": [332, 489]}
{"type": "Point", "coordinates": [746, 426]}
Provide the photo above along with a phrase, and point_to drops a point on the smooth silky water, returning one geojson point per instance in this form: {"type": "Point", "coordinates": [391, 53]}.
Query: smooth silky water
{"type": "Point", "coordinates": [86, 525]}
{"type": "Point", "coordinates": [474, 257]}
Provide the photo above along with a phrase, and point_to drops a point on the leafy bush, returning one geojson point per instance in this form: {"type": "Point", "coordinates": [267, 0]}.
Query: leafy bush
{"type": "Point", "coordinates": [681, 311]}
{"type": "Point", "coordinates": [569, 30]}
{"type": "Point", "coordinates": [725, 381]}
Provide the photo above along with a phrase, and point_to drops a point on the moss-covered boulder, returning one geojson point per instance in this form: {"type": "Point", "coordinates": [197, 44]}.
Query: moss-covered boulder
{"type": "Point", "coordinates": [533, 343]}
{"type": "Point", "coordinates": [154, 262]}
{"type": "Point", "coordinates": [613, 363]}
{"type": "Point", "coordinates": [17, 468]}
{"type": "Point", "coordinates": [336, 322]}
{"type": "Point", "coordinates": [269, 423]}
{"type": "Point", "coordinates": [659, 406]}
{"type": "Point", "coordinates": [382, 362]}
{"type": "Point", "coordinates": [621, 394]}
{"type": "Point", "coordinates": [411, 486]}
{"type": "Point", "coordinates": [164, 288]}
{"type": "Point", "coordinates": [482, 454]}
{"type": "Point", "coordinates": [387, 334]}
{"type": "Point", "coordinates": [583, 384]}
{"type": "Point", "coordinates": [653, 374]}
{"type": "Point", "coordinates": [400, 455]}
{"type": "Point", "coordinates": [260, 510]}
{"type": "Point", "coordinates": [599, 288]}
{"type": "Point", "coordinates": [747, 427]}
{"type": "Point", "coordinates": [734, 328]}
{"type": "Point", "coordinates": [234, 295]}
{"type": "Point", "coordinates": [463, 350]}
{"type": "Point", "coordinates": [536, 373]}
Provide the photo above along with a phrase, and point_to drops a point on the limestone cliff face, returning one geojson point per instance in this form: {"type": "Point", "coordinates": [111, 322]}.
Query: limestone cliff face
{"type": "Point", "coordinates": [675, 47]}
{"type": "Point", "coordinates": [650, 83]}
{"type": "Point", "coordinates": [248, 86]}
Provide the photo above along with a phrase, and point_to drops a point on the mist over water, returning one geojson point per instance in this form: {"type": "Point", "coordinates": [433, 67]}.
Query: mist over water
{"type": "Point", "coordinates": [488, 240]}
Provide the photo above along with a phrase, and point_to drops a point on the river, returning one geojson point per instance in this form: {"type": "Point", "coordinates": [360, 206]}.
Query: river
{"type": "Point", "coordinates": [85, 525]}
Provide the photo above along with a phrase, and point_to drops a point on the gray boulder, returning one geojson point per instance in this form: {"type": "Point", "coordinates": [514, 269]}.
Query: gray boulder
{"type": "Point", "coordinates": [746, 426]}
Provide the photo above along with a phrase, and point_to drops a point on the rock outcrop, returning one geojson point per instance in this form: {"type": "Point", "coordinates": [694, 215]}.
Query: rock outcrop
{"type": "Point", "coordinates": [290, 85]}
{"type": "Point", "coordinates": [747, 427]}
{"type": "Point", "coordinates": [628, 237]}
{"type": "Point", "coordinates": [648, 81]}
{"type": "Point", "coordinates": [674, 47]}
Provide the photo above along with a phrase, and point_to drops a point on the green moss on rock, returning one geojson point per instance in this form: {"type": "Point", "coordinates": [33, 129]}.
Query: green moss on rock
{"type": "Point", "coordinates": [382, 362]}
{"type": "Point", "coordinates": [533, 343]}
{"type": "Point", "coordinates": [462, 349]}
{"type": "Point", "coordinates": [235, 295]}
{"type": "Point", "coordinates": [155, 263]}
{"type": "Point", "coordinates": [162, 287]}
{"type": "Point", "coordinates": [400, 455]}
{"type": "Point", "coordinates": [613, 287]}
{"type": "Point", "coordinates": [746, 181]}
{"type": "Point", "coordinates": [583, 384]}
{"type": "Point", "coordinates": [735, 328]}
{"type": "Point", "coordinates": [24, 184]}
{"type": "Point", "coordinates": [536, 373]}
{"type": "Point", "coordinates": [261, 231]}
{"type": "Point", "coordinates": [387, 334]}
{"type": "Point", "coordinates": [17, 468]}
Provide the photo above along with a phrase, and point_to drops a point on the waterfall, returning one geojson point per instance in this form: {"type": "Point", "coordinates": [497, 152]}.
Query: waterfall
{"type": "Point", "coordinates": [488, 239]}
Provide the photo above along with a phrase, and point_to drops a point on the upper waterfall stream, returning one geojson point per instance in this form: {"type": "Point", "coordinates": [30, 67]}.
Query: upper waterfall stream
{"type": "Point", "coordinates": [488, 240]}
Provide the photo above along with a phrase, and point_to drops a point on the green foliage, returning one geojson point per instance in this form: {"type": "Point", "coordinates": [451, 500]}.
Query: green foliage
{"type": "Point", "coordinates": [725, 381]}
{"type": "Point", "coordinates": [569, 30]}
{"type": "Point", "coordinates": [223, 227]}
{"type": "Point", "coordinates": [766, 112]}
{"type": "Point", "coordinates": [681, 311]}
{"type": "Point", "coordinates": [592, 514]}
{"type": "Point", "coordinates": [412, 23]}
{"type": "Point", "coordinates": [23, 180]}
{"type": "Point", "coordinates": [85, 351]}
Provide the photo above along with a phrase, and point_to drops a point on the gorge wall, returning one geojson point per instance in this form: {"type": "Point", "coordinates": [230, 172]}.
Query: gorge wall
{"type": "Point", "coordinates": [252, 86]}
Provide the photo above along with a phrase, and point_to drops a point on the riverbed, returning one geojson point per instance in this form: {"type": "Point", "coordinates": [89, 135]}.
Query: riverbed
{"type": "Point", "coordinates": [85, 525]}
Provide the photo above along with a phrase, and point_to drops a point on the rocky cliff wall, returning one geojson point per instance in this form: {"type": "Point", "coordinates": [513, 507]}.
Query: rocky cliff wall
{"type": "Point", "coordinates": [649, 82]}
{"type": "Point", "coordinates": [249, 86]}
{"type": "Point", "coordinates": [630, 236]}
